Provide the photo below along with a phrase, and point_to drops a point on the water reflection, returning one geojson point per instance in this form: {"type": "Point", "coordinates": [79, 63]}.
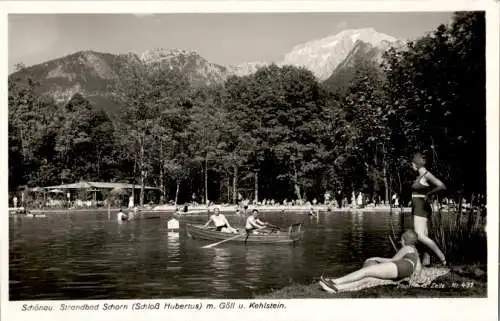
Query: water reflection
{"type": "Point", "coordinates": [220, 264]}
{"type": "Point", "coordinates": [173, 250]}
{"type": "Point", "coordinates": [86, 255]}
{"type": "Point", "coordinates": [253, 265]}
{"type": "Point", "coordinates": [357, 234]}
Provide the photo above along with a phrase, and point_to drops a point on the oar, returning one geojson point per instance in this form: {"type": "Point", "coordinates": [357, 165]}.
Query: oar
{"type": "Point", "coordinates": [223, 241]}
{"type": "Point", "coordinates": [273, 226]}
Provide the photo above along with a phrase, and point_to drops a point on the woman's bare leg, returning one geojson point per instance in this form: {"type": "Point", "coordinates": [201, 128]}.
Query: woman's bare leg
{"type": "Point", "coordinates": [420, 225]}
{"type": "Point", "coordinates": [381, 271]}
{"type": "Point", "coordinates": [357, 284]}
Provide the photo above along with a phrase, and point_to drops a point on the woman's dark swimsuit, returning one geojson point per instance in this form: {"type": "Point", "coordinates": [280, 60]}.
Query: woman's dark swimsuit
{"type": "Point", "coordinates": [420, 206]}
{"type": "Point", "coordinates": [219, 228]}
{"type": "Point", "coordinates": [407, 265]}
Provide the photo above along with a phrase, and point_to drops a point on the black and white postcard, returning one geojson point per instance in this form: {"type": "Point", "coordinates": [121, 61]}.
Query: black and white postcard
{"type": "Point", "coordinates": [250, 160]}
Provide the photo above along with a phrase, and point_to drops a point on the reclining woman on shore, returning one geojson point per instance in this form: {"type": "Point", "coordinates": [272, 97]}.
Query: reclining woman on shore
{"type": "Point", "coordinates": [403, 265]}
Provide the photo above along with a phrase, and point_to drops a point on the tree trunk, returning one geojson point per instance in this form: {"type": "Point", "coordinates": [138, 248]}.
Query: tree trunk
{"type": "Point", "coordinates": [141, 197]}
{"type": "Point", "coordinates": [206, 179]}
{"type": "Point", "coordinates": [400, 184]}
{"type": "Point", "coordinates": [162, 170]}
{"type": "Point", "coordinates": [98, 155]}
{"type": "Point", "coordinates": [387, 199]}
{"type": "Point", "coordinates": [133, 180]}
{"type": "Point", "coordinates": [235, 184]}
{"type": "Point", "coordinates": [296, 183]}
{"type": "Point", "coordinates": [143, 183]}
{"type": "Point", "coordinates": [178, 183]}
{"type": "Point", "coordinates": [374, 171]}
{"type": "Point", "coordinates": [256, 187]}
{"type": "Point", "coordinates": [143, 175]}
{"type": "Point", "coordinates": [23, 143]}
{"type": "Point", "coordinates": [228, 187]}
{"type": "Point", "coordinates": [470, 219]}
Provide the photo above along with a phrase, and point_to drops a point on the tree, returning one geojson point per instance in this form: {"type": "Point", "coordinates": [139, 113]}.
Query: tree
{"type": "Point", "coordinates": [367, 141]}
{"type": "Point", "coordinates": [84, 141]}
{"type": "Point", "coordinates": [32, 127]}
{"type": "Point", "coordinates": [280, 108]}
{"type": "Point", "coordinates": [437, 100]}
{"type": "Point", "coordinates": [207, 118]}
{"type": "Point", "coordinates": [146, 92]}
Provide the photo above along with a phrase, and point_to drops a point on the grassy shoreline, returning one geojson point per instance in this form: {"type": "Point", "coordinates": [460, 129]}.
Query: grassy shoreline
{"type": "Point", "coordinates": [461, 282]}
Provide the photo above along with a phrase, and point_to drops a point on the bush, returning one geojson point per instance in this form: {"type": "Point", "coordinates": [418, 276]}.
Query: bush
{"type": "Point", "coordinates": [461, 236]}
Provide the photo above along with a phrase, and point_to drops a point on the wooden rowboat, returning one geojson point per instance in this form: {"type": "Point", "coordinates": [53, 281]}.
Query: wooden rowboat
{"type": "Point", "coordinates": [293, 234]}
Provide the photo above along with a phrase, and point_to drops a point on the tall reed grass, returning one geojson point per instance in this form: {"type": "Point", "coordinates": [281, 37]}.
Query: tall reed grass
{"type": "Point", "coordinates": [461, 235]}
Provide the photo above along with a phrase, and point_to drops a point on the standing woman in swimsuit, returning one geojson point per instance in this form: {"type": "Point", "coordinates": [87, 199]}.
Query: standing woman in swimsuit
{"type": "Point", "coordinates": [421, 207]}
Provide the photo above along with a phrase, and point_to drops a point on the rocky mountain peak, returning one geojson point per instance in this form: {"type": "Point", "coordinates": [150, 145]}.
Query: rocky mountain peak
{"type": "Point", "coordinates": [322, 56]}
{"type": "Point", "coordinates": [161, 54]}
{"type": "Point", "coordinates": [91, 73]}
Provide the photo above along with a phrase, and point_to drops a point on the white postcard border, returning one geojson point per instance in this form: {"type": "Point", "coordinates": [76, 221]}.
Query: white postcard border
{"type": "Point", "coordinates": [296, 309]}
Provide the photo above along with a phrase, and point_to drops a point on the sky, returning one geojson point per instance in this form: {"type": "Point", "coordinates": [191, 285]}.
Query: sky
{"type": "Point", "coordinates": [224, 38]}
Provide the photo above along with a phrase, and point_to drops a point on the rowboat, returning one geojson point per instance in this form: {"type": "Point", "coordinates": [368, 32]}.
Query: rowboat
{"type": "Point", "coordinates": [293, 234]}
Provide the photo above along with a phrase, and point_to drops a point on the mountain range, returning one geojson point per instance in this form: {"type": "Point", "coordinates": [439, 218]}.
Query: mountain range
{"type": "Point", "coordinates": [90, 73]}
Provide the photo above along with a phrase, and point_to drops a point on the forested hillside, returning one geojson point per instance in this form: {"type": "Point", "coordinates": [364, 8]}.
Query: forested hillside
{"type": "Point", "coordinates": [299, 136]}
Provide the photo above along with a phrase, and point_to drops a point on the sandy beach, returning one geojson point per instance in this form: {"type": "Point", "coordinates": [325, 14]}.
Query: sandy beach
{"type": "Point", "coordinates": [226, 209]}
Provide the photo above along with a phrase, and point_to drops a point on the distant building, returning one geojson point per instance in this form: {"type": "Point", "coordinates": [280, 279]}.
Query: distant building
{"type": "Point", "coordinates": [97, 192]}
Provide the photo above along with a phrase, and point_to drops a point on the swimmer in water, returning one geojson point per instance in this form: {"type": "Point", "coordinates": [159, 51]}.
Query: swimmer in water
{"type": "Point", "coordinates": [313, 213]}
{"type": "Point", "coordinates": [121, 216]}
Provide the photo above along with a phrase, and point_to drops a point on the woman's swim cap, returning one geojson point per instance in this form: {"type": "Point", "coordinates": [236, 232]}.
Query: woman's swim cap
{"type": "Point", "coordinates": [410, 237]}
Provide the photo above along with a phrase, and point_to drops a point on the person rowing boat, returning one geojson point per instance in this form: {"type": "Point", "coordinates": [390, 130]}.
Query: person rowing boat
{"type": "Point", "coordinates": [253, 223]}
{"type": "Point", "coordinates": [220, 222]}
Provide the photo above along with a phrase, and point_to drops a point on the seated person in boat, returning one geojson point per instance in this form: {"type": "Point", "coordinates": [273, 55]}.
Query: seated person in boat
{"type": "Point", "coordinates": [253, 223]}
{"type": "Point", "coordinates": [220, 222]}
{"type": "Point", "coordinates": [403, 265]}
{"type": "Point", "coordinates": [121, 216]}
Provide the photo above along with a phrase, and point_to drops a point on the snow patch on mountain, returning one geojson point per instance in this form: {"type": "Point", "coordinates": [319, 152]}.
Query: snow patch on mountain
{"type": "Point", "coordinates": [322, 56]}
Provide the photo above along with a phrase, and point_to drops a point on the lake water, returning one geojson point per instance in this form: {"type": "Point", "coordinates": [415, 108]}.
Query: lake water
{"type": "Point", "coordinates": [92, 256]}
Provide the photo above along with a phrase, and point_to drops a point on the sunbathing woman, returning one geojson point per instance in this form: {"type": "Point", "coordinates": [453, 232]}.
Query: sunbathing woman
{"type": "Point", "coordinates": [403, 265]}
